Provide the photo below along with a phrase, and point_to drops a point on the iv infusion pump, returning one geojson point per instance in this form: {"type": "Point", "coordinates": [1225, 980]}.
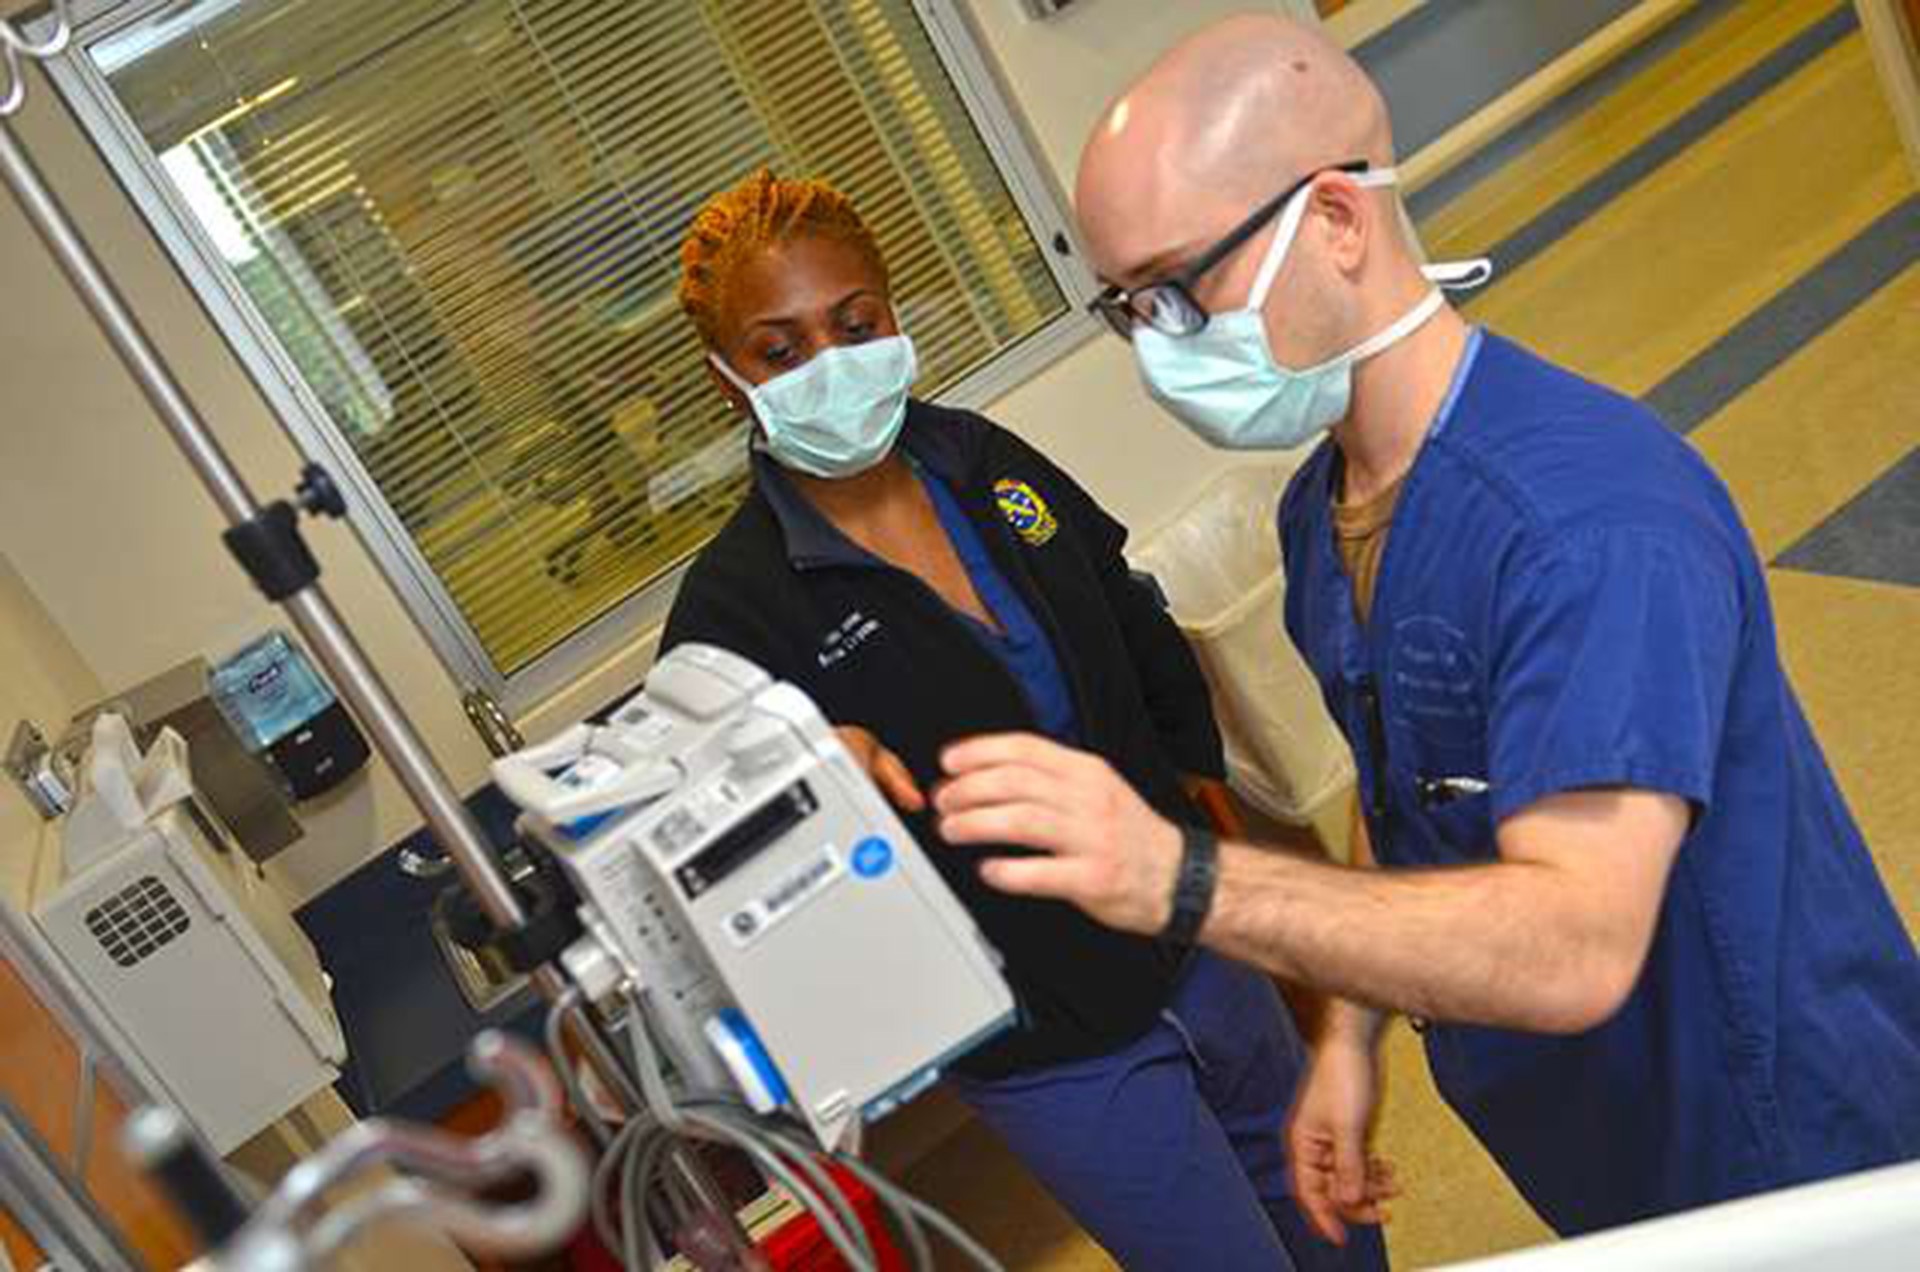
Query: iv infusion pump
{"type": "Point", "coordinates": [748, 888]}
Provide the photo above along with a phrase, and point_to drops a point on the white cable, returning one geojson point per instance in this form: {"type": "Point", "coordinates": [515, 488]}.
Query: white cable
{"type": "Point", "coordinates": [16, 95]}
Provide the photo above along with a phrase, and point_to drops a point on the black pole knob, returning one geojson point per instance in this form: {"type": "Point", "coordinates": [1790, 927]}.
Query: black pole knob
{"type": "Point", "coordinates": [318, 494]}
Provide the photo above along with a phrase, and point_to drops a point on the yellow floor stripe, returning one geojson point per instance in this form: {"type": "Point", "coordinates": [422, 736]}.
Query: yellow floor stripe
{"type": "Point", "coordinates": [1456, 1204]}
{"type": "Point", "coordinates": [1640, 107]}
{"type": "Point", "coordinates": [1852, 654]}
{"type": "Point", "coordinates": [977, 1181]}
{"type": "Point", "coordinates": [1657, 276]}
{"type": "Point", "coordinates": [1629, 297]}
{"type": "Point", "coordinates": [1804, 441]}
{"type": "Point", "coordinates": [1650, 281]}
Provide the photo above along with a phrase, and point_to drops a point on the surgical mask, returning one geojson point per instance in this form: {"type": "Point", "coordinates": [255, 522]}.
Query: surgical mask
{"type": "Point", "coordinates": [838, 414]}
{"type": "Point", "coordinates": [1222, 381]}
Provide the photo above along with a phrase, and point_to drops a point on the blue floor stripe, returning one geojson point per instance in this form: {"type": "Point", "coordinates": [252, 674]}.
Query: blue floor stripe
{"type": "Point", "coordinates": [1576, 101]}
{"type": "Point", "coordinates": [1567, 214]}
{"type": "Point", "coordinates": [1447, 59]}
{"type": "Point", "coordinates": [1875, 537]}
{"type": "Point", "coordinates": [1790, 320]}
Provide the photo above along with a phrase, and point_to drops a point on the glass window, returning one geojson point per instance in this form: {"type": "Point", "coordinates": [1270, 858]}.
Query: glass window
{"type": "Point", "coordinates": [451, 230]}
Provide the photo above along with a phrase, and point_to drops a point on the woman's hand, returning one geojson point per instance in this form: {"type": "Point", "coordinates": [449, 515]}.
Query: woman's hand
{"type": "Point", "coordinates": [888, 771]}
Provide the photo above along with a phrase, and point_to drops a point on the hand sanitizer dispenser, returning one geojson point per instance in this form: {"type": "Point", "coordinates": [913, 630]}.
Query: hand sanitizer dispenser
{"type": "Point", "coordinates": [278, 703]}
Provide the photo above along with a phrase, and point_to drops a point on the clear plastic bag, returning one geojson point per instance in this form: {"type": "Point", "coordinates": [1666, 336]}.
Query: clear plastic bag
{"type": "Point", "coordinates": [1218, 561]}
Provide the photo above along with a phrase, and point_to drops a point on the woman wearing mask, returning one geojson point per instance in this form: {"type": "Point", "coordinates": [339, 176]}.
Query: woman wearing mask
{"type": "Point", "coordinates": [924, 576]}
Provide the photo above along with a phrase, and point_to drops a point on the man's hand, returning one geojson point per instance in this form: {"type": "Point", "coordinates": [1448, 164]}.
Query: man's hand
{"type": "Point", "coordinates": [888, 771]}
{"type": "Point", "coordinates": [1111, 854]}
{"type": "Point", "coordinates": [1335, 1182]}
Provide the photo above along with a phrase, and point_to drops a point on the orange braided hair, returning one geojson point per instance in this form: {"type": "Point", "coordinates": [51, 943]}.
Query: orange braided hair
{"type": "Point", "coordinates": [737, 224]}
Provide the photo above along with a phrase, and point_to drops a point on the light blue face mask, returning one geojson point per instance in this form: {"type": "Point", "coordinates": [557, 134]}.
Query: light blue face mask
{"type": "Point", "coordinates": [1222, 381]}
{"type": "Point", "coordinates": [839, 413]}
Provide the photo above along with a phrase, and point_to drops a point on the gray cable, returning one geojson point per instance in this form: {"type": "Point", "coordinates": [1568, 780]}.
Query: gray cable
{"type": "Point", "coordinates": [602, 1173]}
{"type": "Point", "coordinates": [905, 1221]}
{"type": "Point", "coordinates": [653, 1149]}
{"type": "Point", "coordinates": [808, 1160]}
{"type": "Point", "coordinates": [633, 1205]}
{"type": "Point", "coordinates": [554, 1034]}
{"type": "Point", "coordinates": [940, 1221]}
{"type": "Point", "coordinates": [653, 1082]}
{"type": "Point", "coordinates": [892, 1197]}
{"type": "Point", "coordinates": [781, 1152]}
{"type": "Point", "coordinates": [956, 1236]}
{"type": "Point", "coordinates": [909, 1211]}
{"type": "Point", "coordinates": [632, 1156]}
{"type": "Point", "coordinates": [856, 1250]}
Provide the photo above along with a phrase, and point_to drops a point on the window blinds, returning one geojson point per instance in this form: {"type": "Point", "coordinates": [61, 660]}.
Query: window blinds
{"type": "Point", "coordinates": [461, 221]}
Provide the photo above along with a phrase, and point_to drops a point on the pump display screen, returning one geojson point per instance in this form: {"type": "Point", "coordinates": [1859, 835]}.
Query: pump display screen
{"type": "Point", "coordinates": [757, 830]}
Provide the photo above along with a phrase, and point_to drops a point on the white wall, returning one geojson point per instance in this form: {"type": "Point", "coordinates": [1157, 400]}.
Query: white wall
{"type": "Point", "coordinates": [1063, 71]}
{"type": "Point", "coordinates": [108, 526]}
{"type": "Point", "coordinates": [42, 679]}
{"type": "Point", "coordinates": [1088, 412]}
{"type": "Point", "coordinates": [109, 530]}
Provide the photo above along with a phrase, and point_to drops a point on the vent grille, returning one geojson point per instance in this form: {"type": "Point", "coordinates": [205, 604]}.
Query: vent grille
{"type": "Point", "coordinates": [135, 922]}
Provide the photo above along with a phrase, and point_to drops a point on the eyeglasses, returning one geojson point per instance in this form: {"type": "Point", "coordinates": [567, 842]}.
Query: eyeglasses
{"type": "Point", "coordinates": [1169, 305]}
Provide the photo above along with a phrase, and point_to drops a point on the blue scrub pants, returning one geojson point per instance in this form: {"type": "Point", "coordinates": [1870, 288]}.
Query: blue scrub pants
{"type": "Point", "coordinates": [1171, 1151]}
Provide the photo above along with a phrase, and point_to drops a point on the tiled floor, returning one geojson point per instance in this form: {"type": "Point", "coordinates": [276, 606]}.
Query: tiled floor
{"type": "Point", "coordinates": [1729, 228]}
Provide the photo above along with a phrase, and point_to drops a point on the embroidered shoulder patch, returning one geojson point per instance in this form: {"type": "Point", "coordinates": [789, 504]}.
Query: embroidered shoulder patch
{"type": "Point", "coordinates": [1025, 511]}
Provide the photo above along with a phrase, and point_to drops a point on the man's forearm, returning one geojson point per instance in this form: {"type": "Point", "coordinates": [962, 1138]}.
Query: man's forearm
{"type": "Point", "coordinates": [1494, 944]}
{"type": "Point", "coordinates": [1345, 1019]}
{"type": "Point", "coordinates": [1551, 937]}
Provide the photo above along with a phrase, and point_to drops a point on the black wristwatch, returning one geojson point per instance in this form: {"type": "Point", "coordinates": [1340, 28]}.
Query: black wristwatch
{"type": "Point", "coordinates": [1193, 886]}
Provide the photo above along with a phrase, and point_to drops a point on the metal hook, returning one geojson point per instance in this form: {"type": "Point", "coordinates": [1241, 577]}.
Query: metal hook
{"type": "Point", "coordinates": [16, 79]}
{"type": "Point", "coordinates": [289, 1230]}
{"type": "Point", "coordinates": [529, 1142]}
{"type": "Point", "coordinates": [15, 47]}
{"type": "Point", "coordinates": [54, 45]}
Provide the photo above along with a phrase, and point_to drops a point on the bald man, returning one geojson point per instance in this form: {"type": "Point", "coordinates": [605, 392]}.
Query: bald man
{"type": "Point", "coordinates": [1620, 893]}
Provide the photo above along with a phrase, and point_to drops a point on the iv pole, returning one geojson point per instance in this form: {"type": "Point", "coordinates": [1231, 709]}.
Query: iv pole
{"type": "Point", "coordinates": [312, 612]}
{"type": "Point", "coordinates": [268, 543]}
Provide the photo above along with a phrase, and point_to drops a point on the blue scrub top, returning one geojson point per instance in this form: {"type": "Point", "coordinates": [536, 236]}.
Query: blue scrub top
{"type": "Point", "coordinates": [1568, 600]}
{"type": "Point", "coordinates": [1021, 645]}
